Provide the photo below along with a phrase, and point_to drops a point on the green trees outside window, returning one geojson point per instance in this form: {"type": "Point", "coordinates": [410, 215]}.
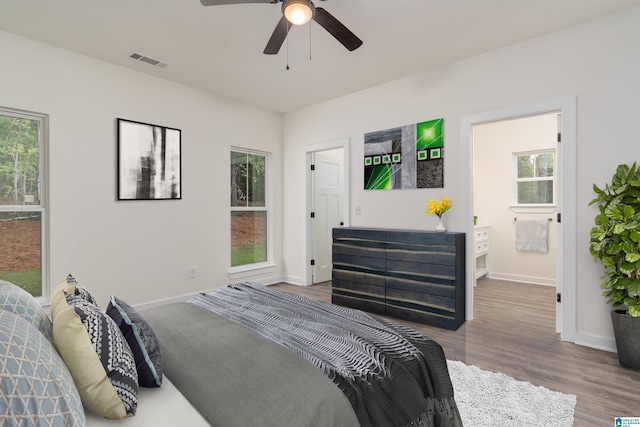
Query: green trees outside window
{"type": "Point", "coordinates": [21, 200]}
{"type": "Point", "coordinates": [248, 208]}
{"type": "Point", "coordinates": [535, 178]}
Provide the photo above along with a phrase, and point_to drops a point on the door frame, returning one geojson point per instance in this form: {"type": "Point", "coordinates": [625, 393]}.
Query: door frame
{"type": "Point", "coordinates": [308, 151]}
{"type": "Point", "coordinates": [567, 251]}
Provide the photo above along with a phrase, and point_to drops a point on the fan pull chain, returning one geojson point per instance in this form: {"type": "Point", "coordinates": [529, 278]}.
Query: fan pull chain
{"type": "Point", "coordinates": [288, 28]}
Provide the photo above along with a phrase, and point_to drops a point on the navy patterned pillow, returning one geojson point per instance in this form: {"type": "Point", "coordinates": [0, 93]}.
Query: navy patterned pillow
{"type": "Point", "coordinates": [98, 357]}
{"type": "Point", "coordinates": [68, 287]}
{"type": "Point", "coordinates": [141, 339]}
{"type": "Point", "coordinates": [80, 290]}
{"type": "Point", "coordinates": [36, 387]}
{"type": "Point", "coordinates": [22, 303]}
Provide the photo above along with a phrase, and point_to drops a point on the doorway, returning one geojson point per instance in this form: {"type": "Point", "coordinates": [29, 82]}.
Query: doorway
{"type": "Point", "coordinates": [515, 177]}
{"type": "Point", "coordinates": [566, 158]}
{"type": "Point", "coordinates": [327, 204]}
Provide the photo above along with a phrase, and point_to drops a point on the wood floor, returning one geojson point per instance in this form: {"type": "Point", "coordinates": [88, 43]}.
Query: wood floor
{"type": "Point", "coordinates": [514, 332]}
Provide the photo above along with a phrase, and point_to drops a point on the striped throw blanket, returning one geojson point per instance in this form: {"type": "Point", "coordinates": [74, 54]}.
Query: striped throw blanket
{"type": "Point", "coordinates": [391, 374]}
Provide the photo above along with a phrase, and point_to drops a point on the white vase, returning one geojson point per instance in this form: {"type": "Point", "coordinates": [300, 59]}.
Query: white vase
{"type": "Point", "coordinates": [440, 228]}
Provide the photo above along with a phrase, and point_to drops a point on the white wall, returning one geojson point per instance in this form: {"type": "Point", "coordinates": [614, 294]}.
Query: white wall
{"type": "Point", "coordinates": [597, 62]}
{"type": "Point", "coordinates": [140, 251]}
{"type": "Point", "coordinates": [493, 147]}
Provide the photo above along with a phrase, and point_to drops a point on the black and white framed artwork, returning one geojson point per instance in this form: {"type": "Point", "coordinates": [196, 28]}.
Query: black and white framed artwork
{"type": "Point", "coordinates": [149, 161]}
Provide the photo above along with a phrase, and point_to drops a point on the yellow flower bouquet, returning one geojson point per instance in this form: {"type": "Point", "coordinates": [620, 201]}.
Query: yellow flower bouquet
{"type": "Point", "coordinates": [438, 207]}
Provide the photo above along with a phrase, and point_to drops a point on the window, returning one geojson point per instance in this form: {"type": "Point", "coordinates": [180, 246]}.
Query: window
{"type": "Point", "coordinates": [249, 208]}
{"type": "Point", "coordinates": [22, 209]}
{"type": "Point", "coordinates": [535, 178]}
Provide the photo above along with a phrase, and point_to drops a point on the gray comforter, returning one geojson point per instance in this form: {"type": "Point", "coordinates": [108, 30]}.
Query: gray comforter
{"type": "Point", "coordinates": [236, 378]}
{"type": "Point", "coordinates": [392, 375]}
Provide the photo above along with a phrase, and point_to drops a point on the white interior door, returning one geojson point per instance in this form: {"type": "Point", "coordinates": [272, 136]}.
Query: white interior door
{"type": "Point", "coordinates": [327, 207]}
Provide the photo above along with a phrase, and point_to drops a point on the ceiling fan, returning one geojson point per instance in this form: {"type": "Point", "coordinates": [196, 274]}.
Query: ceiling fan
{"type": "Point", "coordinates": [298, 12]}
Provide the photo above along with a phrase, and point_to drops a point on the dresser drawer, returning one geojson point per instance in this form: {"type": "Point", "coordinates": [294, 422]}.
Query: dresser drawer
{"type": "Point", "coordinates": [481, 234]}
{"type": "Point", "coordinates": [482, 247]}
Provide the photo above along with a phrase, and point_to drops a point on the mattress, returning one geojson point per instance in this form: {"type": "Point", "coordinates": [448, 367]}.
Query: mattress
{"type": "Point", "coordinates": [157, 407]}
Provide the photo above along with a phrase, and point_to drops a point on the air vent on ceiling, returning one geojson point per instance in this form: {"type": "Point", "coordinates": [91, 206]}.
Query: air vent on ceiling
{"type": "Point", "coordinates": [148, 60]}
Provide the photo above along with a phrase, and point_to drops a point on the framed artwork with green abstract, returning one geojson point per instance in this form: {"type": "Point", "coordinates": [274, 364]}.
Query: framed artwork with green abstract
{"type": "Point", "coordinates": [405, 157]}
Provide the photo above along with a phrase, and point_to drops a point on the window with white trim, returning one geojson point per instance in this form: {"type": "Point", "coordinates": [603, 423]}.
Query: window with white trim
{"type": "Point", "coordinates": [22, 200]}
{"type": "Point", "coordinates": [249, 208]}
{"type": "Point", "coordinates": [535, 178]}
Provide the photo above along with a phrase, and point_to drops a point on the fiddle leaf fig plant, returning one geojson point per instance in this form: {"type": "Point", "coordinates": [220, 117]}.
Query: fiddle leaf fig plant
{"type": "Point", "coordinates": [615, 238]}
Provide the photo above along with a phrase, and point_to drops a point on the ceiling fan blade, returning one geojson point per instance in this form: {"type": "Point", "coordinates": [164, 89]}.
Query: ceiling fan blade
{"type": "Point", "coordinates": [221, 2]}
{"type": "Point", "coordinates": [277, 38]}
{"type": "Point", "coordinates": [337, 29]}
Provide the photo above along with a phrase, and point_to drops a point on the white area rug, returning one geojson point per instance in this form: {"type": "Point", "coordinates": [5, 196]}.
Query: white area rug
{"type": "Point", "coordinates": [493, 399]}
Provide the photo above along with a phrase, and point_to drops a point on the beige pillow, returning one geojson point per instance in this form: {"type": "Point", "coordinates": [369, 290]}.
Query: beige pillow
{"type": "Point", "coordinates": [58, 300]}
{"type": "Point", "coordinates": [90, 346]}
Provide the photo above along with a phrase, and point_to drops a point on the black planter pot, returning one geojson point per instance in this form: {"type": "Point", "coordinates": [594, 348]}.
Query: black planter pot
{"type": "Point", "coordinates": [627, 332]}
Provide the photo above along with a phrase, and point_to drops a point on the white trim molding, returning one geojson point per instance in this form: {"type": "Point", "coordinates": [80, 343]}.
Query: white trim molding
{"type": "Point", "coordinates": [567, 251]}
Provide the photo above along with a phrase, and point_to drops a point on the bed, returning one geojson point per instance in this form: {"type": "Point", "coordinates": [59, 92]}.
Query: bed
{"type": "Point", "coordinates": [249, 355]}
{"type": "Point", "coordinates": [276, 343]}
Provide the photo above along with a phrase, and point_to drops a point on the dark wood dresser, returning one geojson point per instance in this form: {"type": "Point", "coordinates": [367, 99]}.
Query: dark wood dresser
{"type": "Point", "coordinates": [407, 274]}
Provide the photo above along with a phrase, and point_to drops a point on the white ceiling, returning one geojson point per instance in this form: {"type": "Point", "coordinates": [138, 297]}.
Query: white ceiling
{"type": "Point", "coordinates": [219, 48]}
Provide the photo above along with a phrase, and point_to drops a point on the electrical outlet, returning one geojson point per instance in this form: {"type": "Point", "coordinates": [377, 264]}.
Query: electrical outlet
{"type": "Point", "coordinates": [193, 272]}
{"type": "Point", "coordinates": [358, 210]}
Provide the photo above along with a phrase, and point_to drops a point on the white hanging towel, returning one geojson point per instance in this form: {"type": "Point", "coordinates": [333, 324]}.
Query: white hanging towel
{"type": "Point", "coordinates": [531, 235]}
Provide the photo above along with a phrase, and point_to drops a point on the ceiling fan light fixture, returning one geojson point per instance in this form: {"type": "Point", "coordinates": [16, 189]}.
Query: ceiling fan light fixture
{"type": "Point", "coordinates": [298, 12]}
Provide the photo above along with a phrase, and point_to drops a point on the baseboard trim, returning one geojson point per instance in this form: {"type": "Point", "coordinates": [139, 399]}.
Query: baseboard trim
{"type": "Point", "coordinates": [158, 303]}
{"type": "Point", "coordinates": [267, 280]}
{"type": "Point", "coordinates": [599, 343]}
{"type": "Point", "coordinates": [522, 279]}
{"type": "Point", "coordinates": [293, 280]}
{"type": "Point", "coordinates": [187, 297]}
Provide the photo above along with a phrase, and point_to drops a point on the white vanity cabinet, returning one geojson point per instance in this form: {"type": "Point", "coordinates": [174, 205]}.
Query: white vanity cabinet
{"type": "Point", "coordinates": [481, 250]}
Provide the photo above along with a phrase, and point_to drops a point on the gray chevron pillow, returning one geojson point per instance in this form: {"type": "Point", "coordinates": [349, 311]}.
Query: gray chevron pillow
{"type": "Point", "coordinates": [22, 303]}
{"type": "Point", "coordinates": [35, 385]}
